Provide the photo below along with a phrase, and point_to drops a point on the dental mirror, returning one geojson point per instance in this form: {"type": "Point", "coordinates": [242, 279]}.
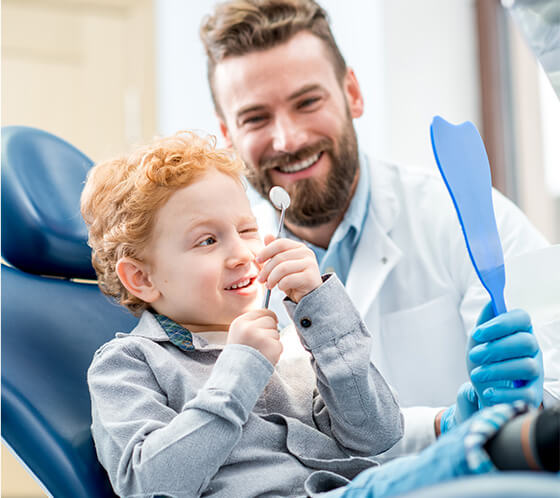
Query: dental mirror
{"type": "Point", "coordinates": [280, 200]}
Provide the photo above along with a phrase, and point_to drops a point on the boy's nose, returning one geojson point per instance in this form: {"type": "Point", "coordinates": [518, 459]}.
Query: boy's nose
{"type": "Point", "coordinates": [239, 254]}
{"type": "Point", "coordinates": [288, 136]}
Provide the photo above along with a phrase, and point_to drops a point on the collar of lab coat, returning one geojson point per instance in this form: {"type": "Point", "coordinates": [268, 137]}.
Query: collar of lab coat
{"type": "Point", "coordinates": [376, 254]}
{"type": "Point", "coordinates": [384, 204]}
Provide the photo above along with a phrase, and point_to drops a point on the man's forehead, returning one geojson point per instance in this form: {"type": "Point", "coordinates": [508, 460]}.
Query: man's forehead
{"type": "Point", "coordinates": [261, 77]}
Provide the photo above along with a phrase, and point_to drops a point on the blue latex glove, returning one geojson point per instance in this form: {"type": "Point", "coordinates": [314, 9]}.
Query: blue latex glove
{"type": "Point", "coordinates": [501, 350]}
{"type": "Point", "coordinates": [465, 406]}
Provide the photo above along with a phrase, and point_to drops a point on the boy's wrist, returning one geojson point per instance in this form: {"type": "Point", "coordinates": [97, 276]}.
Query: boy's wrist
{"type": "Point", "coordinates": [324, 314]}
{"type": "Point", "coordinates": [324, 278]}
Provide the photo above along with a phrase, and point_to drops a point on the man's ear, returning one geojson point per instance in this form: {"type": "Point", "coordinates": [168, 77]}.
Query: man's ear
{"type": "Point", "coordinates": [225, 132]}
{"type": "Point", "coordinates": [134, 275]}
{"type": "Point", "coordinates": [353, 94]}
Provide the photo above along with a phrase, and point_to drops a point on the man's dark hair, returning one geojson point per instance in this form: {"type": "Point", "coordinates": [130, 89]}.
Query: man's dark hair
{"type": "Point", "coordinates": [239, 27]}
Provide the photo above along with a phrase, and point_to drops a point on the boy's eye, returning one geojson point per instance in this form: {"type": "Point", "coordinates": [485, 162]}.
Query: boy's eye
{"type": "Point", "coordinates": [250, 231]}
{"type": "Point", "coordinates": [208, 241]}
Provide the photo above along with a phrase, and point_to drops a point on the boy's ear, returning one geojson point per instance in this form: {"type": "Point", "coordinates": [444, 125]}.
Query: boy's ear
{"type": "Point", "coordinates": [134, 275]}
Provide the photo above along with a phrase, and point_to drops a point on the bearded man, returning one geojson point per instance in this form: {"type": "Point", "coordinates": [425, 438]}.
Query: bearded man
{"type": "Point", "coordinates": [286, 101]}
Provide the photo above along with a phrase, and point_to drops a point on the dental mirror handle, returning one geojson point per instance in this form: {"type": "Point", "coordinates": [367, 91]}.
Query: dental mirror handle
{"type": "Point", "coordinates": [280, 226]}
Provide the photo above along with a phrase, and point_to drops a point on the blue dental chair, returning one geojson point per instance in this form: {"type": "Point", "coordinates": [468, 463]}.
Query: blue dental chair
{"type": "Point", "coordinates": [51, 324]}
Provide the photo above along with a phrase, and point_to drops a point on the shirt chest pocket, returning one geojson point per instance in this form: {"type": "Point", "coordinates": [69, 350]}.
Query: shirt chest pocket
{"type": "Point", "coordinates": [424, 352]}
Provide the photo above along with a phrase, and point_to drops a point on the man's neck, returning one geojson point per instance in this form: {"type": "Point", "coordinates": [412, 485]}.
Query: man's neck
{"type": "Point", "coordinates": [321, 235]}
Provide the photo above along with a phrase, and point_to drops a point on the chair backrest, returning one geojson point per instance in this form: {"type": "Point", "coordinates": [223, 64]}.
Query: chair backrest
{"type": "Point", "coordinates": [51, 325]}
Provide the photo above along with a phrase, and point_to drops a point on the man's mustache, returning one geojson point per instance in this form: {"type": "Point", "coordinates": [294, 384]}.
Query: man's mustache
{"type": "Point", "coordinates": [287, 158]}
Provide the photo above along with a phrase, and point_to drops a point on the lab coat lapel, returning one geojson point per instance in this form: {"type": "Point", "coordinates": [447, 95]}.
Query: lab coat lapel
{"type": "Point", "coordinates": [376, 254]}
{"type": "Point", "coordinates": [375, 257]}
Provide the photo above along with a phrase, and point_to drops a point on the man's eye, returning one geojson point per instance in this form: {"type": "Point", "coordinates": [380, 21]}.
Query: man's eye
{"type": "Point", "coordinates": [308, 102]}
{"type": "Point", "coordinates": [208, 241]}
{"type": "Point", "coordinates": [253, 121]}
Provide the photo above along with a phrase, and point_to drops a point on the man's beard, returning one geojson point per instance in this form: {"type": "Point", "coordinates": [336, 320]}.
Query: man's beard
{"type": "Point", "coordinates": [315, 202]}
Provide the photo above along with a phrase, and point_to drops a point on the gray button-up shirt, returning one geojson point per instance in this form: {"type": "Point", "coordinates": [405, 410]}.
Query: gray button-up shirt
{"type": "Point", "coordinates": [221, 420]}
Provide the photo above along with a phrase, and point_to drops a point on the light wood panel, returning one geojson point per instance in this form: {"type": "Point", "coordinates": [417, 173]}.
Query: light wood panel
{"type": "Point", "coordinates": [83, 70]}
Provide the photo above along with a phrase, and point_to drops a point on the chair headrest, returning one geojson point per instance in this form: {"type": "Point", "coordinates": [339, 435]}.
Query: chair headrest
{"type": "Point", "coordinates": [42, 228]}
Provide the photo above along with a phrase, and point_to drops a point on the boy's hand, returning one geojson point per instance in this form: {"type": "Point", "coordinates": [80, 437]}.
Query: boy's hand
{"type": "Point", "coordinates": [258, 329]}
{"type": "Point", "coordinates": [290, 265]}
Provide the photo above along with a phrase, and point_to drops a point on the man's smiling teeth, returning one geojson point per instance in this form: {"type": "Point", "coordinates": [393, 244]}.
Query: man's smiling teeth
{"type": "Point", "coordinates": [294, 168]}
{"type": "Point", "coordinates": [239, 285]}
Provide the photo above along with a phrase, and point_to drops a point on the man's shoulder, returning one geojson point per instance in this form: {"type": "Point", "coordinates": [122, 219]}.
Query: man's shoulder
{"type": "Point", "coordinates": [414, 191]}
{"type": "Point", "coordinates": [407, 176]}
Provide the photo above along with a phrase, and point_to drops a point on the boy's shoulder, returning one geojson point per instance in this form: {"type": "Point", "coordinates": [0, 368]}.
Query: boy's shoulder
{"type": "Point", "coordinates": [136, 344]}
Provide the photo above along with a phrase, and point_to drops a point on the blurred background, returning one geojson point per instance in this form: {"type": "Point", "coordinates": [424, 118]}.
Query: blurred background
{"type": "Point", "coordinates": [108, 74]}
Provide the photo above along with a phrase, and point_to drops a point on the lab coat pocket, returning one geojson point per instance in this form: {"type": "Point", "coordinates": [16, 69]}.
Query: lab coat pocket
{"type": "Point", "coordinates": [425, 352]}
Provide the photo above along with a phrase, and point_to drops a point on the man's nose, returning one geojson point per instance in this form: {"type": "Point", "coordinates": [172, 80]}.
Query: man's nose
{"type": "Point", "coordinates": [288, 135]}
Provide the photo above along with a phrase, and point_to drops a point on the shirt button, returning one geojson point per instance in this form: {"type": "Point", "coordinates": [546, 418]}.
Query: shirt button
{"type": "Point", "coordinates": [384, 260]}
{"type": "Point", "coordinates": [305, 323]}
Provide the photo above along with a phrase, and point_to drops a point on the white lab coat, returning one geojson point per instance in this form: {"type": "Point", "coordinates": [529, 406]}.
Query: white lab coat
{"type": "Point", "coordinates": [413, 282]}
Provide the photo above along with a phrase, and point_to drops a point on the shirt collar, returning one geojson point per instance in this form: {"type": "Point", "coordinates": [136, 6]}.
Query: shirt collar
{"type": "Point", "coordinates": [178, 335]}
{"type": "Point", "coordinates": [160, 328]}
{"type": "Point", "coordinates": [356, 214]}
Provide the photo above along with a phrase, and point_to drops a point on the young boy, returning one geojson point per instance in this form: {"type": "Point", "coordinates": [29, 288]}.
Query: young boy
{"type": "Point", "coordinates": [205, 396]}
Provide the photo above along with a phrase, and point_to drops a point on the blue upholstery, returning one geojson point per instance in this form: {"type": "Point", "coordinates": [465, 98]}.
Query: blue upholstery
{"type": "Point", "coordinates": [42, 179]}
{"type": "Point", "coordinates": [50, 326]}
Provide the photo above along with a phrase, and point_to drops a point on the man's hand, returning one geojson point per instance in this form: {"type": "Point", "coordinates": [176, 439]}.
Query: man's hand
{"type": "Point", "coordinates": [291, 265]}
{"type": "Point", "coordinates": [258, 329]}
{"type": "Point", "coordinates": [503, 350]}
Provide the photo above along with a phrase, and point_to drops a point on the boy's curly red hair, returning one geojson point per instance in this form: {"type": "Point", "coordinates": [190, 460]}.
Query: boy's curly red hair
{"type": "Point", "coordinates": [122, 196]}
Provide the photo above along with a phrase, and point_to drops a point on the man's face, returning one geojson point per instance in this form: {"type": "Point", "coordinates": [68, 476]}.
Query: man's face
{"type": "Point", "coordinates": [290, 119]}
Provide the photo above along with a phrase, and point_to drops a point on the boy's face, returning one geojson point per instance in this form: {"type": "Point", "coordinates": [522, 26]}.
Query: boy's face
{"type": "Point", "coordinates": [201, 258]}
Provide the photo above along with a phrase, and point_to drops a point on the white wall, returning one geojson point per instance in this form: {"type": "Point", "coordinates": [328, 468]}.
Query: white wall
{"type": "Point", "coordinates": [431, 68]}
{"type": "Point", "coordinates": [183, 98]}
{"type": "Point", "coordinates": [413, 60]}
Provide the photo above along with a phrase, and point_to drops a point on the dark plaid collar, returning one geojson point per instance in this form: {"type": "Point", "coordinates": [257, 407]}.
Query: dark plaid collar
{"type": "Point", "coordinates": [178, 335]}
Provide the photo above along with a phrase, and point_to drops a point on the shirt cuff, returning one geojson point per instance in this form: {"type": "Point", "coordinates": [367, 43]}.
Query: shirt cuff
{"type": "Point", "coordinates": [241, 371]}
{"type": "Point", "coordinates": [419, 432]}
{"type": "Point", "coordinates": [316, 313]}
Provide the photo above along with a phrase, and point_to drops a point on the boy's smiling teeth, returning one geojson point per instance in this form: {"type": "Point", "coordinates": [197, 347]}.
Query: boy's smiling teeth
{"type": "Point", "coordinates": [299, 166]}
{"type": "Point", "coordinates": [238, 285]}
